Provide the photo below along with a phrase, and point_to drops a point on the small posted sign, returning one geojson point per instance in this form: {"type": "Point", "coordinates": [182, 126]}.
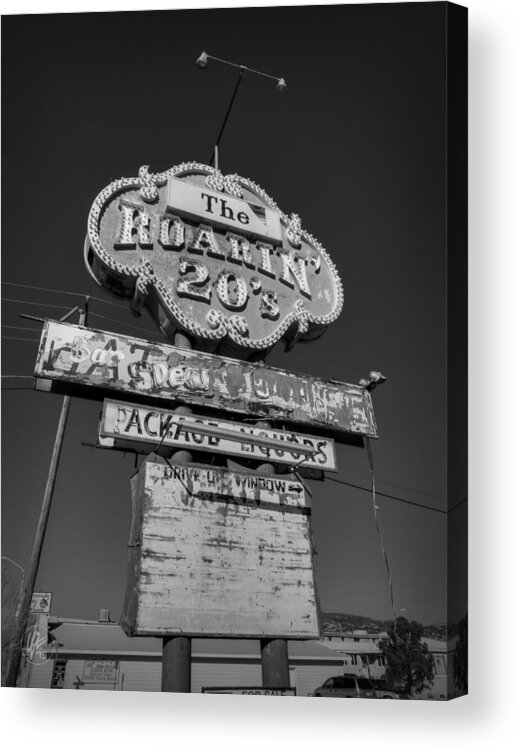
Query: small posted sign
{"type": "Point", "coordinates": [100, 670]}
{"type": "Point", "coordinates": [287, 691]}
{"type": "Point", "coordinates": [40, 603]}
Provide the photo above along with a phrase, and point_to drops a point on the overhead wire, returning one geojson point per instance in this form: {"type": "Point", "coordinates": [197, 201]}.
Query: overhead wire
{"type": "Point", "coordinates": [114, 320]}
{"type": "Point", "coordinates": [63, 291]}
{"type": "Point", "coordinates": [38, 304]}
{"type": "Point", "coordinates": [20, 338]}
{"type": "Point", "coordinates": [390, 497]}
{"type": "Point", "coordinates": [66, 307]}
{"type": "Point", "coordinates": [458, 504]}
{"type": "Point", "coordinates": [17, 388]}
{"type": "Point", "coordinates": [406, 487]}
{"type": "Point", "coordinates": [21, 328]}
{"type": "Point", "coordinates": [379, 531]}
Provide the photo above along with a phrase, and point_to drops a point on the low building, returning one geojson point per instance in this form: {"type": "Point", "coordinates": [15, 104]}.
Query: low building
{"type": "Point", "coordinates": [98, 655]}
{"type": "Point", "coordinates": [95, 655]}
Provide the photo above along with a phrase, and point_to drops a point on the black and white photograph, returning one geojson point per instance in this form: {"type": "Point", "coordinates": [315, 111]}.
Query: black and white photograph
{"type": "Point", "coordinates": [234, 352]}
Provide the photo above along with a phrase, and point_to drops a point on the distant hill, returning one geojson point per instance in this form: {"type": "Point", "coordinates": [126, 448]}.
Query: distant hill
{"type": "Point", "coordinates": [335, 622]}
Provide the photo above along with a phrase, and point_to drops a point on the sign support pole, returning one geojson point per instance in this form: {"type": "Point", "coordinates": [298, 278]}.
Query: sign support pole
{"type": "Point", "coordinates": [30, 581]}
{"type": "Point", "coordinates": [275, 662]}
{"type": "Point", "coordinates": [177, 649]}
{"type": "Point", "coordinates": [273, 651]}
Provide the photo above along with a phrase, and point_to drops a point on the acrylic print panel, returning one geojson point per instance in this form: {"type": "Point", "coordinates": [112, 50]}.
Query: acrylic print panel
{"type": "Point", "coordinates": [363, 148]}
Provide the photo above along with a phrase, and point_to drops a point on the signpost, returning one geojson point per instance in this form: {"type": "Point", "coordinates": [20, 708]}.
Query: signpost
{"type": "Point", "coordinates": [226, 276]}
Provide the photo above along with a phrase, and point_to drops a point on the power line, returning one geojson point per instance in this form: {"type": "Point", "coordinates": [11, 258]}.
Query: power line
{"type": "Point", "coordinates": [406, 487]}
{"type": "Point", "coordinates": [21, 328]}
{"type": "Point", "coordinates": [66, 307]}
{"type": "Point", "coordinates": [19, 338]}
{"type": "Point", "coordinates": [121, 322]}
{"type": "Point", "coordinates": [399, 499]}
{"type": "Point", "coordinates": [458, 504]}
{"type": "Point", "coordinates": [63, 291]}
{"type": "Point", "coordinates": [38, 304]}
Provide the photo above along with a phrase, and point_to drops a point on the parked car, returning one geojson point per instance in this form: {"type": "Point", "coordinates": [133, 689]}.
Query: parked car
{"type": "Point", "coordinates": [345, 686]}
{"type": "Point", "coordinates": [386, 690]}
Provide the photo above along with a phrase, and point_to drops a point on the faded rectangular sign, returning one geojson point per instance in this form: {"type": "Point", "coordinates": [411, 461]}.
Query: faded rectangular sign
{"type": "Point", "coordinates": [40, 602]}
{"type": "Point", "coordinates": [100, 670]}
{"type": "Point", "coordinates": [250, 691]}
{"type": "Point", "coordinates": [85, 359]}
{"type": "Point", "coordinates": [219, 553]}
{"type": "Point", "coordinates": [123, 423]}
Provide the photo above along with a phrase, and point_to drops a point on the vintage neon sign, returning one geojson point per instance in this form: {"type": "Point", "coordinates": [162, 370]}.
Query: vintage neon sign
{"type": "Point", "coordinates": [214, 256]}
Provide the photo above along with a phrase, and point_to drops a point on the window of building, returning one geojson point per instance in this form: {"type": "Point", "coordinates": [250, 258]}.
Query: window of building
{"type": "Point", "coordinates": [58, 674]}
{"type": "Point", "coordinates": [439, 664]}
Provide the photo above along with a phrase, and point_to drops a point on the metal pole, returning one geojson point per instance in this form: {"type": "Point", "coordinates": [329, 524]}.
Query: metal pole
{"type": "Point", "coordinates": [221, 131]}
{"type": "Point", "coordinates": [275, 663]}
{"type": "Point", "coordinates": [273, 651]}
{"type": "Point", "coordinates": [177, 649]}
{"type": "Point", "coordinates": [28, 589]}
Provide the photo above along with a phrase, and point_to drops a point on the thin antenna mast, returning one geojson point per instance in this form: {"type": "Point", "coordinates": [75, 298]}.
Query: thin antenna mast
{"type": "Point", "coordinates": [202, 62]}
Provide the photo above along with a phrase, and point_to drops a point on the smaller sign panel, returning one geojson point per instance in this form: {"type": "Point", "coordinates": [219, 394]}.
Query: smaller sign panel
{"type": "Point", "coordinates": [40, 602]}
{"type": "Point", "coordinates": [250, 691]}
{"type": "Point", "coordinates": [223, 210]}
{"type": "Point", "coordinates": [219, 553]}
{"type": "Point", "coordinates": [100, 670]}
{"type": "Point", "coordinates": [123, 423]}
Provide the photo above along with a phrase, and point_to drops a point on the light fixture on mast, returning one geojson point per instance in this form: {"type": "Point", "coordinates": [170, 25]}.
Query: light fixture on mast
{"type": "Point", "coordinates": [202, 62]}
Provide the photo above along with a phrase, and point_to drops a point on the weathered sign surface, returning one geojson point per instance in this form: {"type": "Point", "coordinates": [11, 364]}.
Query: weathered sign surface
{"type": "Point", "coordinates": [250, 691]}
{"type": "Point", "coordinates": [102, 362]}
{"type": "Point", "coordinates": [124, 423]}
{"type": "Point", "coordinates": [219, 553]}
{"type": "Point", "coordinates": [214, 256]}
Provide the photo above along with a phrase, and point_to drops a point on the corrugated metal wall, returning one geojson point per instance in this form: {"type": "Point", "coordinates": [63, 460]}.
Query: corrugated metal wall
{"type": "Point", "coordinates": [310, 676]}
{"type": "Point", "coordinates": [140, 675]}
{"type": "Point", "coordinates": [145, 675]}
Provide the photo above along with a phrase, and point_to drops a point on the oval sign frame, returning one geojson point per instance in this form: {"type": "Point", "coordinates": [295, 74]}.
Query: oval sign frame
{"type": "Point", "coordinates": [296, 251]}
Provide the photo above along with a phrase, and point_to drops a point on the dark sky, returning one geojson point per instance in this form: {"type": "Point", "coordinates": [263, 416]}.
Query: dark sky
{"type": "Point", "coordinates": [356, 146]}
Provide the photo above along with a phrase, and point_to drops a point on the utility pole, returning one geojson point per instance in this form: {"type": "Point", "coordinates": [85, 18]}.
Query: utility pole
{"type": "Point", "coordinates": [177, 649]}
{"type": "Point", "coordinates": [32, 572]}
